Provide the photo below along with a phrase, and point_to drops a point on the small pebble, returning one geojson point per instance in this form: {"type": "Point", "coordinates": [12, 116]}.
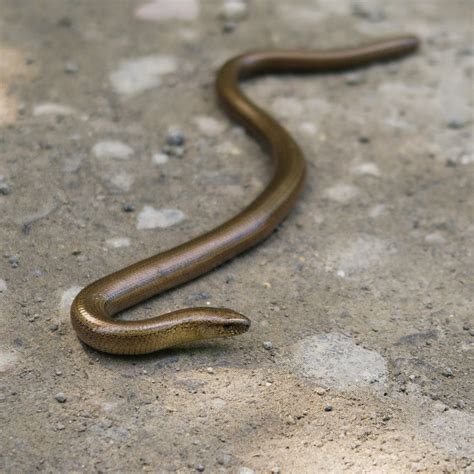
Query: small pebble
{"type": "Point", "coordinates": [461, 404]}
{"type": "Point", "coordinates": [228, 26]}
{"type": "Point", "coordinates": [210, 370]}
{"type": "Point", "coordinates": [448, 372]}
{"type": "Point", "coordinates": [141, 74]}
{"type": "Point", "coordinates": [127, 207]}
{"type": "Point", "coordinates": [366, 169]}
{"type": "Point", "coordinates": [177, 151]}
{"type": "Point", "coordinates": [209, 126]}
{"type": "Point", "coordinates": [372, 15]}
{"type": "Point", "coordinates": [4, 189]}
{"type": "Point", "coordinates": [328, 408]}
{"type": "Point", "coordinates": [200, 468]}
{"type": "Point", "coordinates": [14, 261]}
{"type": "Point", "coordinates": [471, 332]}
{"type": "Point", "coordinates": [151, 218]}
{"type": "Point", "coordinates": [118, 242]}
{"type": "Point", "coordinates": [440, 407]}
{"type": "Point", "coordinates": [268, 345]}
{"type": "Point", "coordinates": [159, 158]}
{"type": "Point", "coordinates": [224, 459]}
{"type": "Point", "coordinates": [342, 193]}
{"type": "Point", "coordinates": [3, 286]}
{"type": "Point", "coordinates": [290, 420]}
{"type": "Point", "coordinates": [175, 137]}
{"type": "Point", "coordinates": [168, 10]}
{"type": "Point", "coordinates": [65, 22]}
{"type": "Point", "coordinates": [71, 68]}
{"type": "Point", "coordinates": [354, 79]}
{"type": "Point", "coordinates": [320, 391]}
{"type": "Point", "coordinates": [245, 470]}
{"type": "Point", "coordinates": [60, 397]}
{"type": "Point", "coordinates": [435, 238]}
{"type": "Point", "coordinates": [456, 124]}
{"type": "Point", "coordinates": [112, 149]}
{"type": "Point", "coordinates": [234, 10]}
{"type": "Point", "coordinates": [52, 109]}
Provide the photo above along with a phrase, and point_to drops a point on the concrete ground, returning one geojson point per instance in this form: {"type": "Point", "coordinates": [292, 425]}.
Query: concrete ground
{"type": "Point", "coordinates": [360, 354]}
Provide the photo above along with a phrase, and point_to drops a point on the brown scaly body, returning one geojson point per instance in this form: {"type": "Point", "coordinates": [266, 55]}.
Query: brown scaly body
{"type": "Point", "coordinates": [94, 307]}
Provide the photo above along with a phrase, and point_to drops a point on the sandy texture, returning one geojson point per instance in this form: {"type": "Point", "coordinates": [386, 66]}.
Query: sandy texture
{"type": "Point", "coordinates": [112, 148]}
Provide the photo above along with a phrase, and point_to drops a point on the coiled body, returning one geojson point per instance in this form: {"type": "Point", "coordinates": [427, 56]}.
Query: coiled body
{"type": "Point", "coordinates": [94, 307]}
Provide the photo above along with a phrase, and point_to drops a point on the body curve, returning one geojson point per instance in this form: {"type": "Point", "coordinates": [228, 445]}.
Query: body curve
{"type": "Point", "coordinates": [93, 308]}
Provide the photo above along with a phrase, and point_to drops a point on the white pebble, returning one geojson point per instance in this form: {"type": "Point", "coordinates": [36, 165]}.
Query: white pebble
{"type": "Point", "coordinates": [118, 242]}
{"type": "Point", "coordinates": [209, 126]}
{"type": "Point", "coordinates": [440, 407]}
{"type": "Point", "coordinates": [112, 149]}
{"type": "Point", "coordinates": [7, 360]}
{"type": "Point", "coordinates": [52, 109]}
{"type": "Point", "coordinates": [107, 406]}
{"type": "Point", "coordinates": [309, 128]}
{"type": "Point", "coordinates": [122, 181]}
{"type": "Point", "coordinates": [245, 470]}
{"type": "Point", "coordinates": [137, 75]}
{"type": "Point", "coordinates": [188, 34]}
{"type": "Point", "coordinates": [366, 169]}
{"type": "Point", "coordinates": [159, 158]}
{"type": "Point", "coordinates": [218, 403]}
{"type": "Point", "coordinates": [435, 238]}
{"type": "Point", "coordinates": [336, 360]}
{"type": "Point", "coordinates": [163, 10]}
{"type": "Point", "coordinates": [151, 218]}
{"type": "Point", "coordinates": [234, 10]}
{"type": "Point", "coordinates": [287, 107]}
{"type": "Point", "coordinates": [228, 148]}
{"type": "Point", "coordinates": [376, 211]}
{"type": "Point", "coordinates": [342, 193]}
{"type": "Point", "coordinates": [3, 286]}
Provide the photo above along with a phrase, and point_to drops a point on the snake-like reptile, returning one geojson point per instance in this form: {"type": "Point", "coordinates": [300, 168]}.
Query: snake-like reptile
{"type": "Point", "coordinates": [94, 307]}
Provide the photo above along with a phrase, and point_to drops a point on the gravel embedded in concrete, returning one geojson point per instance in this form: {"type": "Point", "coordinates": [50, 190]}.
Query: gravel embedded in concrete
{"type": "Point", "coordinates": [334, 360]}
{"type": "Point", "coordinates": [165, 10]}
{"type": "Point", "coordinates": [151, 218]}
{"type": "Point", "coordinates": [140, 74]}
{"type": "Point", "coordinates": [112, 149]}
{"type": "Point", "coordinates": [60, 397]}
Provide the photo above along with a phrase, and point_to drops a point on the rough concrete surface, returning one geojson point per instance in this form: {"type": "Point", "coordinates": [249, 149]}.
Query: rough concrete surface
{"type": "Point", "coordinates": [112, 148]}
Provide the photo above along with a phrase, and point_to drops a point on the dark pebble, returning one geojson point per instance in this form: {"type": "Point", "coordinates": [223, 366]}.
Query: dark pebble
{"type": "Point", "coordinates": [175, 138]}
{"type": "Point", "coordinates": [4, 189]}
{"type": "Point", "coordinates": [60, 397]}
{"type": "Point", "coordinates": [456, 124]}
{"type": "Point", "coordinates": [328, 408]}
{"type": "Point", "coordinates": [14, 261]}
{"type": "Point", "coordinates": [228, 26]}
{"type": "Point", "coordinates": [128, 207]}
